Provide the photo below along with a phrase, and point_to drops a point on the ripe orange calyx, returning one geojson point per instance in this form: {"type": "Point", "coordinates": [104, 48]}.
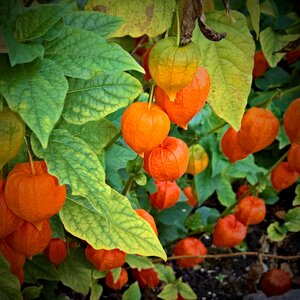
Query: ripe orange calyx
{"type": "Point", "coordinates": [168, 161]}
{"type": "Point", "coordinates": [33, 197]}
{"type": "Point", "coordinates": [144, 128]}
{"type": "Point", "coordinates": [188, 102]}
{"type": "Point", "coordinates": [173, 67]}
{"type": "Point", "coordinates": [198, 159]}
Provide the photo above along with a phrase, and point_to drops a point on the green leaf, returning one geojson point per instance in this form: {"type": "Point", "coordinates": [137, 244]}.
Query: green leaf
{"type": "Point", "coordinates": [85, 54]}
{"type": "Point", "coordinates": [165, 273]}
{"type": "Point", "coordinates": [12, 131]}
{"type": "Point", "coordinates": [202, 218]}
{"type": "Point", "coordinates": [229, 63]}
{"type": "Point", "coordinates": [32, 292]}
{"type": "Point", "coordinates": [8, 12]}
{"type": "Point", "coordinates": [169, 292]}
{"type": "Point", "coordinates": [9, 284]}
{"type": "Point", "coordinates": [116, 273]}
{"type": "Point", "coordinates": [96, 291]}
{"type": "Point", "coordinates": [225, 193]}
{"type": "Point", "coordinates": [36, 91]}
{"type": "Point", "coordinates": [254, 10]}
{"type": "Point", "coordinates": [271, 42]}
{"type": "Point", "coordinates": [54, 32]}
{"type": "Point", "coordinates": [72, 161]}
{"type": "Point", "coordinates": [75, 276]}
{"type": "Point", "coordinates": [89, 100]}
{"type": "Point", "coordinates": [57, 227]}
{"type": "Point", "coordinates": [116, 157]}
{"type": "Point", "coordinates": [138, 262]}
{"type": "Point", "coordinates": [39, 267]}
{"type": "Point", "coordinates": [276, 232]}
{"type": "Point", "coordinates": [37, 20]}
{"type": "Point", "coordinates": [97, 134]}
{"type": "Point", "coordinates": [132, 293]}
{"type": "Point", "coordinates": [269, 195]}
{"type": "Point", "coordinates": [131, 233]}
{"type": "Point", "coordinates": [282, 138]}
{"type": "Point", "coordinates": [140, 179]}
{"type": "Point", "coordinates": [98, 22]}
{"type": "Point", "coordinates": [296, 201]}
{"type": "Point", "coordinates": [99, 274]}
{"type": "Point", "coordinates": [20, 53]}
{"type": "Point", "coordinates": [269, 7]}
{"type": "Point", "coordinates": [186, 292]}
{"type": "Point", "coordinates": [292, 220]}
{"type": "Point", "coordinates": [151, 17]}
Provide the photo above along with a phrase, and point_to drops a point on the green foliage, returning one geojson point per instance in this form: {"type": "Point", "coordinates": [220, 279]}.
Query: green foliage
{"type": "Point", "coordinates": [146, 17]}
{"type": "Point", "coordinates": [32, 292]}
{"type": "Point", "coordinates": [254, 10]}
{"type": "Point", "coordinates": [165, 273]}
{"type": "Point", "coordinates": [230, 77]}
{"type": "Point", "coordinates": [9, 284]}
{"type": "Point", "coordinates": [138, 262]}
{"type": "Point", "coordinates": [132, 293]}
{"type": "Point", "coordinates": [297, 198]}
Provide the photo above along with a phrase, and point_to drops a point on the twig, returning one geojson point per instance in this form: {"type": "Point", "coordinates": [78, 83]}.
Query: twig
{"type": "Point", "coordinates": [226, 255]}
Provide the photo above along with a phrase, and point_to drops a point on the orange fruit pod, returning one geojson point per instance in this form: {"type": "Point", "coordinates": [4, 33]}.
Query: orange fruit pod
{"type": "Point", "coordinates": [259, 129]}
{"type": "Point", "coordinates": [32, 193]}
{"type": "Point", "coordinates": [122, 280]}
{"type": "Point", "coordinates": [189, 246]}
{"type": "Point", "coordinates": [16, 260]}
{"type": "Point", "coordinates": [56, 251]}
{"type": "Point", "coordinates": [291, 121]}
{"type": "Point", "coordinates": [167, 195]}
{"type": "Point", "coordinates": [260, 64]}
{"type": "Point", "coordinates": [192, 198]}
{"type": "Point", "coordinates": [168, 161]}
{"type": "Point", "coordinates": [198, 160]}
{"type": "Point", "coordinates": [29, 239]}
{"type": "Point", "coordinates": [231, 147]}
{"type": "Point", "coordinates": [144, 128]}
{"type": "Point", "coordinates": [276, 282]}
{"type": "Point", "coordinates": [173, 67]}
{"type": "Point", "coordinates": [146, 216]}
{"type": "Point", "coordinates": [105, 260]}
{"type": "Point", "coordinates": [250, 210]}
{"type": "Point", "coordinates": [8, 220]}
{"type": "Point", "coordinates": [229, 232]}
{"type": "Point", "coordinates": [146, 278]}
{"type": "Point", "coordinates": [294, 157]}
{"type": "Point", "coordinates": [283, 176]}
{"type": "Point", "coordinates": [188, 101]}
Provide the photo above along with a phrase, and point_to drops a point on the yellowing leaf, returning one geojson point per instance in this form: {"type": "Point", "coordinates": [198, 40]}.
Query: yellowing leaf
{"type": "Point", "coordinates": [151, 17]}
{"type": "Point", "coordinates": [229, 63]}
{"type": "Point", "coordinates": [126, 230]}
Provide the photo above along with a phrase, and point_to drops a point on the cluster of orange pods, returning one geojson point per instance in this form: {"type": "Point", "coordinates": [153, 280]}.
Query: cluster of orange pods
{"type": "Point", "coordinates": [28, 198]}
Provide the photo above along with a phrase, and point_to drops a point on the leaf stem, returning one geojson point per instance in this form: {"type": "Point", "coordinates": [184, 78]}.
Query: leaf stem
{"type": "Point", "coordinates": [150, 99]}
{"type": "Point", "coordinates": [30, 157]}
{"type": "Point", "coordinates": [113, 140]}
{"type": "Point", "coordinates": [128, 184]}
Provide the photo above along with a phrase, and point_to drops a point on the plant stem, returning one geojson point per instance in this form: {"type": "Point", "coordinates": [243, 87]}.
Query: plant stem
{"type": "Point", "coordinates": [196, 139]}
{"type": "Point", "coordinates": [30, 157]}
{"type": "Point", "coordinates": [128, 184]}
{"type": "Point", "coordinates": [265, 103]}
{"type": "Point", "coordinates": [112, 141]}
{"type": "Point", "coordinates": [226, 255]}
{"type": "Point", "coordinates": [178, 25]}
{"type": "Point", "coordinates": [150, 99]}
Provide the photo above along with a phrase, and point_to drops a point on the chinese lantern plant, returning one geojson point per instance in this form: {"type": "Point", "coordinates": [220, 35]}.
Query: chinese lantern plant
{"type": "Point", "coordinates": [250, 210]}
{"type": "Point", "coordinates": [8, 220]}
{"type": "Point", "coordinates": [146, 277]}
{"type": "Point", "coordinates": [276, 282]}
{"type": "Point", "coordinates": [192, 198]}
{"type": "Point", "coordinates": [147, 217]}
{"type": "Point", "coordinates": [188, 101]}
{"type": "Point", "coordinates": [229, 232]}
{"type": "Point", "coordinates": [105, 260]}
{"type": "Point", "coordinates": [291, 121]}
{"type": "Point", "coordinates": [167, 195]}
{"type": "Point", "coordinates": [56, 251]}
{"type": "Point", "coordinates": [168, 161]}
{"type": "Point", "coordinates": [173, 67]}
{"type": "Point", "coordinates": [144, 126]}
{"type": "Point", "coordinates": [198, 159]}
{"type": "Point", "coordinates": [32, 193]}
{"type": "Point", "coordinates": [189, 246]}
{"type": "Point", "coordinates": [293, 157]}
